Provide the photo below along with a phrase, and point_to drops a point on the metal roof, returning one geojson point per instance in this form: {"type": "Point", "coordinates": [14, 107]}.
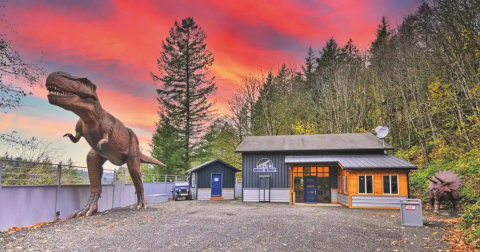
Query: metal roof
{"type": "Point", "coordinates": [211, 162]}
{"type": "Point", "coordinates": [356, 141]}
{"type": "Point", "coordinates": [351, 162]}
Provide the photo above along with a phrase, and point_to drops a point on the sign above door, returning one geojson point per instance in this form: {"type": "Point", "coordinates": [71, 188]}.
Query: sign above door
{"type": "Point", "coordinates": [265, 165]}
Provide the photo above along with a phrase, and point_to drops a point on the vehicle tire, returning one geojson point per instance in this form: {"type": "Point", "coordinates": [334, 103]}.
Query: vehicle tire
{"type": "Point", "coordinates": [175, 198]}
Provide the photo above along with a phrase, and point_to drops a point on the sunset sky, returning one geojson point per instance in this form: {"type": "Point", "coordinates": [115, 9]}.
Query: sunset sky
{"type": "Point", "coordinates": [116, 43]}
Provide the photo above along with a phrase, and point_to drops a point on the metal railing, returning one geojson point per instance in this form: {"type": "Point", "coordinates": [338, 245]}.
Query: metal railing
{"type": "Point", "coordinates": [18, 173]}
{"type": "Point", "coordinates": [163, 178]}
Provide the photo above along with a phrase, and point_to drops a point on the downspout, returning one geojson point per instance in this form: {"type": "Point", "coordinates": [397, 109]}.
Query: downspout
{"type": "Point", "coordinates": [408, 185]}
{"type": "Point", "coordinates": [243, 176]}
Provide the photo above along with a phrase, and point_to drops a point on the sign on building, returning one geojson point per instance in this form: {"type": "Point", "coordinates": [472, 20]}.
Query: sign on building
{"type": "Point", "coordinates": [265, 165]}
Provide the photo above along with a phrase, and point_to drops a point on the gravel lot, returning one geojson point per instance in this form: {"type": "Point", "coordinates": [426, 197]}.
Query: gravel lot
{"type": "Point", "coordinates": [230, 226]}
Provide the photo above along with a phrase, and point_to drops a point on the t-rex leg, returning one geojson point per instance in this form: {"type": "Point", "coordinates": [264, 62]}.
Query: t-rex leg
{"type": "Point", "coordinates": [133, 164]}
{"type": "Point", "coordinates": [95, 172]}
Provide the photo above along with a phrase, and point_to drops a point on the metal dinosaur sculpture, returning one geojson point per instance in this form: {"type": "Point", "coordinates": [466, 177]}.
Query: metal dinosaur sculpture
{"type": "Point", "coordinates": [109, 138]}
{"type": "Point", "coordinates": [444, 186]}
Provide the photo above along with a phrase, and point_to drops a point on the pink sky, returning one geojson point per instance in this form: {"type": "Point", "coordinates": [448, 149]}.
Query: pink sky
{"type": "Point", "coordinates": [116, 43]}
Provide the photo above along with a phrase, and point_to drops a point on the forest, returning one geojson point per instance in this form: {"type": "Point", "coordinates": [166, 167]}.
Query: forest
{"type": "Point", "coordinates": [420, 78]}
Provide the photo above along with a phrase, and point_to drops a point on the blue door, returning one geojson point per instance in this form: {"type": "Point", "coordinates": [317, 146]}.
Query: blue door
{"type": "Point", "coordinates": [216, 184]}
{"type": "Point", "coordinates": [310, 189]}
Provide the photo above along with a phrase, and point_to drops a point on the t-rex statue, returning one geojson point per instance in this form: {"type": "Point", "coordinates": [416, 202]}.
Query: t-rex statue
{"type": "Point", "coordinates": [109, 138]}
{"type": "Point", "coordinates": [444, 186]}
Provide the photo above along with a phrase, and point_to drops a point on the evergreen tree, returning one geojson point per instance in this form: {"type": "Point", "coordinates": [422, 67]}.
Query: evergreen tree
{"type": "Point", "coordinates": [184, 72]}
{"type": "Point", "coordinates": [328, 55]}
{"type": "Point", "coordinates": [309, 67]}
{"type": "Point", "coordinates": [167, 147]}
{"type": "Point", "coordinates": [350, 53]}
{"type": "Point", "coordinates": [381, 36]}
{"type": "Point", "coordinates": [220, 141]}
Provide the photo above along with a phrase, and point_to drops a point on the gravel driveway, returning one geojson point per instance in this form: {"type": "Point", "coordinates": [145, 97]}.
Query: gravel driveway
{"type": "Point", "coordinates": [230, 226]}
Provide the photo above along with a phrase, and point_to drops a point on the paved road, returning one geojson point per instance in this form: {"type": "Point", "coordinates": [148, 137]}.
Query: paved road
{"type": "Point", "coordinates": [229, 226]}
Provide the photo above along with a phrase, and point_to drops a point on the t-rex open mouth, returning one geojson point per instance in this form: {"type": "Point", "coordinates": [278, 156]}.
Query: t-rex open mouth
{"type": "Point", "coordinates": [54, 90]}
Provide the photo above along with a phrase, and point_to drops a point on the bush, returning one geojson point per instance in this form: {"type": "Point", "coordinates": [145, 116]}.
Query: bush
{"type": "Point", "coordinates": [470, 225]}
{"type": "Point", "coordinates": [468, 168]}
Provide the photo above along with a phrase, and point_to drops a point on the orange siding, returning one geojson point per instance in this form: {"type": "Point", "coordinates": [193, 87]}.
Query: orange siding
{"type": "Point", "coordinates": [378, 181]}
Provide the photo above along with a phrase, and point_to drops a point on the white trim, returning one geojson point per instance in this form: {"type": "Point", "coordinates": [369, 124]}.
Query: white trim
{"type": "Point", "coordinates": [194, 180]}
{"type": "Point", "coordinates": [390, 183]}
{"type": "Point", "coordinates": [345, 184]}
{"type": "Point", "coordinates": [366, 190]}
{"type": "Point", "coordinates": [339, 186]}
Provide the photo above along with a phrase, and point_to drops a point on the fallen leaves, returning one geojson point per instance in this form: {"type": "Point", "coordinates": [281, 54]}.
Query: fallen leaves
{"type": "Point", "coordinates": [452, 234]}
{"type": "Point", "coordinates": [398, 242]}
{"type": "Point", "coordinates": [16, 229]}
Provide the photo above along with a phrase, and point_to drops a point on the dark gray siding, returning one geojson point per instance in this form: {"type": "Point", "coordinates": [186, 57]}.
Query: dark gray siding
{"type": "Point", "coordinates": [279, 179]}
{"type": "Point", "coordinates": [333, 173]}
{"type": "Point", "coordinates": [204, 175]}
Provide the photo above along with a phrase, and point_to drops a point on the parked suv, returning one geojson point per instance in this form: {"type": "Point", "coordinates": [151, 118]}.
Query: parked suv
{"type": "Point", "coordinates": [181, 190]}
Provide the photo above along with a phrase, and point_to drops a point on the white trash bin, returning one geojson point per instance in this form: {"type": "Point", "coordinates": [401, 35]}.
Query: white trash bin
{"type": "Point", "coordinates": [411, 212]}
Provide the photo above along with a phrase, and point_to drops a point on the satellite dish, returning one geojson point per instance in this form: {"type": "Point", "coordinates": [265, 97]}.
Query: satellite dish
{"type": "Point", "coordinates": [382, 132]}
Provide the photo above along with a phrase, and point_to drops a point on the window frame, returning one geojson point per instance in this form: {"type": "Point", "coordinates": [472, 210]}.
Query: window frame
{"type": "Point", "coordinates": [366, 190]}
{"type": "Point", "coordinates": [339, 186]}
{"type": "Point", "coordinates": [390, 183]}
{"type": "Point", "coordinates": [345, 184]}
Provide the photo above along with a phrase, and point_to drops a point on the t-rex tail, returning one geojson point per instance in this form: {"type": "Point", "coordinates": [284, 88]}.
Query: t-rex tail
{"type": "Point", "coordinates": [150, 160]}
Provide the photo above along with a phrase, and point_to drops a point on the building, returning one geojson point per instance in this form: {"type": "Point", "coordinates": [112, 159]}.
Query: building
{"type": "Point", "coordinates": [214, 180]}
{"type": "Point", "coordinates": [350, 169]}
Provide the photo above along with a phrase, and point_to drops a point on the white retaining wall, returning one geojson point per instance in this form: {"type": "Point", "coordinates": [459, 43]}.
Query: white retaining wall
{"type": "Point", "coordinates": [272, 195]}
{"type": "Point", "coordinates": [251, 195]}
{"type": "Point", "coordinates": [204, 193]}
{"type": "Point", "coordinates": [22, 206]}
{"type": "Point", "coordinates": [279, 195]}
{"type": "Point", "coordinates": [238, 190]}
{"type": "Point", "coordinates": [228, 193]}
{"type": "Point", "coordinates": [194, 193]}
{"type": "Point", "coordinates": [334, 195]}
{"type": "Point", "coordinates": [376, 201]}
{"type": "Point", "coordinates": [342, 198]}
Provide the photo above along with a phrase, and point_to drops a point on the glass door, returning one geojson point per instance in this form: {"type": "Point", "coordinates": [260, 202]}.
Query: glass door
{"type": "Point", "coordinates": [323, 185]}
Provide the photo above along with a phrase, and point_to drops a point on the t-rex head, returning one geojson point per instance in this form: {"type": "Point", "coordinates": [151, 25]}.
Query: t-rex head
{"type": "Point", "coordinates": [71, 93]}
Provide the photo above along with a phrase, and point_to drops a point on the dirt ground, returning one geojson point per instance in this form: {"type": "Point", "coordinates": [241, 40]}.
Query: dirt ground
{"type": "Point", "coordinates": [230, 226]}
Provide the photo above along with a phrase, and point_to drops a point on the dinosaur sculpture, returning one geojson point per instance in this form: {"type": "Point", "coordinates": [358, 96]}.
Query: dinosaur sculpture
{"type": "Point", "coordinates": [109, 138]}
{"type": "Point", "coordinates": [444, 186]}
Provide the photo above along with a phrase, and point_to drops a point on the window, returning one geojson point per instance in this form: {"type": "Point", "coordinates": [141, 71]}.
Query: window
{"type": "Point", "coordinates": [390, 184]}
{"type": "Point", "coordinates": [345, 187]}
{"type": "Point", "coordinates": [365, 184]}
{"type": "Point", "coordinates": [339, 186]}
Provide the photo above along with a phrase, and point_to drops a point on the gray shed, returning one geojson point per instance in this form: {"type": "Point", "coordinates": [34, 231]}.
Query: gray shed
{"type": "Point", "coordinates": [213, 180]}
